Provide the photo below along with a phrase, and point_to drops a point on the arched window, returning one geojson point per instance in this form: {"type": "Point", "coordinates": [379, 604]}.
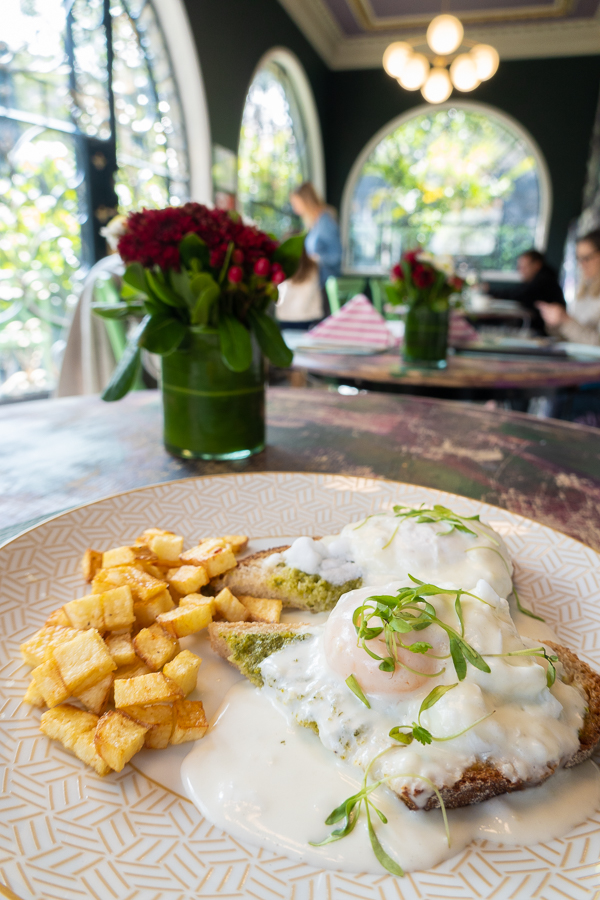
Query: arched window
{"type": "Point", "coordinates": [90, 124]}
{"type": "Point", "coordinates": [280, 143]}
{"type": "Point", "coordinates": [462, 179]}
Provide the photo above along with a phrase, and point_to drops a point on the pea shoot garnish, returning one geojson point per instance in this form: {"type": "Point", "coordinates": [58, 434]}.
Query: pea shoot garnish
{"type": "Point", "coordinates": [410, 611]}
{"type": "Point", "coordinates": [357, 690]}
{"type": "Point", "coordinates": [406, 734]}
{"type": "Point", "coordinates": [541, 652]}
{"type": "Point", "coordinates": [437, 514]}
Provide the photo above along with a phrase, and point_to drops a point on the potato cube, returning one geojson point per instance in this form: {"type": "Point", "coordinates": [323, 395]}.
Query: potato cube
{"type": "Point", "coordinates": [198, 599]}
{"type": "Point", "coordinates": [91, 562]}
{"type": "Point", "coordinates": [33, 696]}
{"type": "Point", "coordinates": [147, 611]}
{"type": "Point", "coordinates": [125, 556]}
{"type": "Point", "coordinates": [260, 609]}
{"type": "Point", "coordinates": [167, 547]}
{"type": "Point", "coordinates": [190, 722]}
{"type": "Point", "coordinates": [149, 533]}
{"type": "Point", "coordinates": [186, 619]}
{"type": "Point", "coordinates": [118, 738]}
{"type": "Point", "coordinates": [85, 750]}
{"type": "Point", "coordinates": [66, 724]}
{"type": "Point", "coordinates": [237, 542]}
{"type": "Point", "coordinates": [58, 617]}
{"type": "Point", "coordinates": [155, 646]}
{"type": "Point", "coordinates": [84, 660]}
{"type": "Point", "coordinates": [86, 612]}
{"type": "Point", "coordinates": [230, 608]}
{"type": "Point", "coordinates": [95, 698]}
{"type": "Point", "coordinates": [137, 667]}
{"type": "Point", "coordinates": [214, 555]}
{"type": "Point", "coordinates": [145, 690]}
{"type": "Point", "coordinates": [187, 579]}
{"type": "Point", "coordinates": [158, 719]}
{"type": "Point", "coordinates": [143, 586]}
{"type": "Point", "coordinates": [183, 670]}
{"type": "Point", "coordinates": [120, 647]}
{"type": "Point", "coordinates": [117, 606]}
{"type": "Point", "coordinates": [49, 683]}
{"type": "Point", "coordinates": [39, 647]}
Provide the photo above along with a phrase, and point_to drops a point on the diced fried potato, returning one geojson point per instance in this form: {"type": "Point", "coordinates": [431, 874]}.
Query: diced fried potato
{"type": "Point", "coordinates": [214, 555]}
{"type": "Point", "coordinates": [86, 612]}
{"type": "Point", "coordinates": [95, 698]}
{"type": "Point", "coordinates": [187, 579]}
{"type": "Point", "coordinates": [183, 670]}
{"type": "Point", "coordinates": [132, 671]}
{"type": "Point", "coordinates": [155, 646]}
{"type": "Point", "coordinates": [117, 606]}
{"type": "Point", "coordinates": [147, 611]}
{"type": "Point", "coordinates": [40, 645]}
{"type": "Point", "coordinates": [58, 617]}
{"type": "Point", "coordinates": [120, 647]}
{"type": "Point", "coordinates": [166, 546]}
{"type": "Point", "coordinates": [118, 738]}
{"type": "Point", "coordinates": [91, 562]}
{"type": "Point", "coordinates": [190, 722]}
{"type": "Point", "coordinates": [154, 570]}
{"type": "Point", "coordinates": [49, 683]}
{"type": "Point", "coordinates": [198, 599]}
{"type": "Point", "coordinates": [145, 690]}
{"type": "Point", "coordinates": [237, 542]}
{"type": "Point", "coordinates": [143, 586]}
{"type": "Point", "coordinates": [33, 696]}
{"type": "Point", "coordinates": [84, 660]}
{"type": "Point", "coordinates": [85, 750]}
{"type": "Point", "coordinates": [230, 608]}
{"type": "Point", "coordinates": [186, 619]}
{"type": "Point", "coordinates": [125, 556]}
{"type": "Point", "coordinates": [149, 533]}
{"type": "Point", "coordinates": [66, 724]}
{"type": "Point", "coordinates": [158, 719]}
{"type": "Point", "coordinates": [261, 609]}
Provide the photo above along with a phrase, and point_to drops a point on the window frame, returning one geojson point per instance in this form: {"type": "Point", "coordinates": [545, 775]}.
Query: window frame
{"type": "Point", "coordinates": [546, 197]}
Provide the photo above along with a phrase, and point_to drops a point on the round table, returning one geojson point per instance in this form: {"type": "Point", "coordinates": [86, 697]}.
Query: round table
{"type": "Point", "coordinates": [55, 454]}
{"type": "Point", "coordinates": [476, 376]}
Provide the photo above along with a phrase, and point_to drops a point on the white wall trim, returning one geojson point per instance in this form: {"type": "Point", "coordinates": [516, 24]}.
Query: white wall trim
{"type": "Point", "coordinates": [178, 35]}
{"type": "Point", "coordinates": [317, 24]}
{"type": "Point", "coordinates": [543, 226]}
{"type": "Point", "coordinates": [294, 69]}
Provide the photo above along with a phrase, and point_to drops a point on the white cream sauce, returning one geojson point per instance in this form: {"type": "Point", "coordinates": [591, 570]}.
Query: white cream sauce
{"type": "Point", "coordinates": [273, 784]}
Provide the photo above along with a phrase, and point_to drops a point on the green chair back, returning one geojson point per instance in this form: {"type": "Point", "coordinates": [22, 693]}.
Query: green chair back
{"type": "Point", "coordinates": [341, 288]}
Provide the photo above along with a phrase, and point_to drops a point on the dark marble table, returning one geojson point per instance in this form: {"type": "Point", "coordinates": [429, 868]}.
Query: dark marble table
{"type": "Point", "coordinates": [55, 454]}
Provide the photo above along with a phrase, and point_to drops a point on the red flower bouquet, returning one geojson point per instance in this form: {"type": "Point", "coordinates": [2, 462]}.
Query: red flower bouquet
{"type": "Point", "coordinates": [190, 267]}
{"type": "Point", "coordinates": [420, 279]}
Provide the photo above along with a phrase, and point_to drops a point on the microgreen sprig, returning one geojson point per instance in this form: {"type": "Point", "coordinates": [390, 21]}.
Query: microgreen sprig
{"type": "Point", "coordinates": [406, 734]}
{"type": "Point", "coordinates": [410, 611]}
{"type": "Point", "coordinates": [357, 690]}
{"type": "Point", "coordinates": [541, 652]}
{"type": "Point", "coordinates": [437, 514]}
{"type": "Point", "coordinates": [522, 609]}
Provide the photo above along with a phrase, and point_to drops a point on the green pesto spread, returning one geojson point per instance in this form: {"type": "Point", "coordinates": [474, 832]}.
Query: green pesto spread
{"type": "Point", "coordinates": [312, 591]}
{"type": "Point", "coordinates": [249, 650]}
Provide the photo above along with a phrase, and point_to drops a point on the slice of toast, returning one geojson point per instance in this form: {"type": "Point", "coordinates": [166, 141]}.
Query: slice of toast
{"type": "Point", "coordinates": [294, 588]}
{"type": "Point", "coordinates": [246, 644]}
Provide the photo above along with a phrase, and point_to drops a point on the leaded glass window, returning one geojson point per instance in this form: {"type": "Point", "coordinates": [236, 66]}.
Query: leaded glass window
{"type": "Point", "coordinates": [90, 125]}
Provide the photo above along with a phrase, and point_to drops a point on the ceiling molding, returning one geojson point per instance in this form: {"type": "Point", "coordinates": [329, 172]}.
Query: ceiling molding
{"type": "Point", "coordinates": [370, 21]}
{"type": "Point", "coordinates": [318, 25]}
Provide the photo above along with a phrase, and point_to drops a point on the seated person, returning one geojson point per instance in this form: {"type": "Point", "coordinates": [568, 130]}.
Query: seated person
{"type": "Point", "coordinates": [539, 284]}
{"type": "Point", "coordinates": [581, 324]}
{"type": "Point", "coordinates": [300, 302]}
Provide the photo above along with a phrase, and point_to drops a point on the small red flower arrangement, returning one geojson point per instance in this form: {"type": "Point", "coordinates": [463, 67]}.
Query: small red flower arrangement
{"type": "Point", "coordinates": [195, 267]}
{"type": "Point", "coordinates": [420, 279]}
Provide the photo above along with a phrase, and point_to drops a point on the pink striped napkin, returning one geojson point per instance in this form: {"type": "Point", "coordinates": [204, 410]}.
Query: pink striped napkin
{"type": "Point", "coordinates": [460, 331]}
{"type": "Point", "coordinates": [357, 324]}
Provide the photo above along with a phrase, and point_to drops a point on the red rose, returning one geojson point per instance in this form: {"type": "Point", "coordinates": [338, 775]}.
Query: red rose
{"type": "Point", "coordinates": [456, 282]}
{"type": "Point", "coordinates": [262, 267]}
{"type": "Point", "coordinates": [237, 257]}
{"type": "Point", "coordinates": [397, 273]}
{"type": "Point", "coordinates": [411, 256]}
{"type": "Point", "coordinates": [278, 277]}
{"type": "Point", "coordinates": [235, 274]}
{"type": "Point", "coordinates": [423, 276]}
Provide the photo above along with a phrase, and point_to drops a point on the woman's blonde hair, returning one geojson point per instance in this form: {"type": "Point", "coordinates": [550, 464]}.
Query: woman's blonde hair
{"type": "Point", "coordinates": [307, 269]}
{"type": "Point", "coordinates": [308, 193]}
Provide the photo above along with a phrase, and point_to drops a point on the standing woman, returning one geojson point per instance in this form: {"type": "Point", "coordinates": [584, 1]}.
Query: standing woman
{"type": "Point", "coordinates": [582, 323]}
{"type": "Point", "coordinates": [323, 243]}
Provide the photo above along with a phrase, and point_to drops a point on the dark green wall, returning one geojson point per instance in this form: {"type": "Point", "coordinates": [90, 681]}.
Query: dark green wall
{"type": "Point", "coordinates": [554, 99]}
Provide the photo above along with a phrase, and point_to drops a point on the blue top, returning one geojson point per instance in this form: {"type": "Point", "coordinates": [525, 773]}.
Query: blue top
{"type": "Point", "coordinates": [323, 240]}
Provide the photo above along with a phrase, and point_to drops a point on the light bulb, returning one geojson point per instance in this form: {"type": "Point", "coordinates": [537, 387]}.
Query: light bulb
{"type": "Point", "coordinates": [395, 58]}
{"type": "Point", "coordinates": [438, 86]}
{"type": "Point", "coordinates": [463, 72]}
{"type": "Point", "coordinates": [414, 73]}
{"type": "Point", "coordinates": [486, 60]}
{"type": "Point", "coordinates": [445, 34]}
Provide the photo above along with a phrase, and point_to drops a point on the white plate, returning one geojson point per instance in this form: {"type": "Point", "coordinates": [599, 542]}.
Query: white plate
{"type": "Point", "coordinates": [67, 834]}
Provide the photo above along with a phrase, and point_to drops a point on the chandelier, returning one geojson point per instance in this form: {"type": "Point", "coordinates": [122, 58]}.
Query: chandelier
{"type": "Point", "coordinates": [441, 67]}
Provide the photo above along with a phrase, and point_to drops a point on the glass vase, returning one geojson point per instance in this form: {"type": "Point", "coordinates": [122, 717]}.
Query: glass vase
{"type": "Point", "coordinates": [211, 412]}
{"type": "Point", "coordinates": [426, 336]}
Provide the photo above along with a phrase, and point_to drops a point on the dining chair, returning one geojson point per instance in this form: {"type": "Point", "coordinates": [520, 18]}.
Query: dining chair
{"type": "Point", "coordinates": [341, 288]}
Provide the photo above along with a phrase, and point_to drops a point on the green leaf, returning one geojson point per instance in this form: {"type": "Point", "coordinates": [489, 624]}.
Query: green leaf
{"type": "Point", "coordinates": [522, 609]}
{"type": "Point", "coordinates": [356, 689]}
{"type": "Point", "coordinates": [112, 312]}
{"type": "Point", "coordinates": [419, 647]}
{"type": "Point", "coordinates": [270, 340]}
{"type": "Point", "coordinates": [388, 664]}
{"type": "Point", "coordinates": [123, 378]}
{"type": "Point", "coordinates": [386, 861]}
{"type": "Point", "coordinates": [193, 247]}
{"type": "Point", "coordinates": [157, 283]}
{"type": "Point", "coordinates": [474, 658]}
{"type": "Point", "coordinates": [206, 292]}
{"type": "Point", "coordinates": [236, 343]}
{"type": "Point", "coordinates": [135, 276]}
{"type": "Point", "coordinates": [180, 282]}
{"type": "Point", "coordinates": [163, 334]}
{"type": "Point", "coordinates": [401, 736]}
{"type": "Point", "coordinates": [421, 734]}
{"type": "Point", "coordinates": [458, 659]}
{"type": "Point", "coordinates": [436, 694]}
{"type": "Point", "coordinates": [459, 613]}
{"type": "Point", "coordinates": [288, 254]}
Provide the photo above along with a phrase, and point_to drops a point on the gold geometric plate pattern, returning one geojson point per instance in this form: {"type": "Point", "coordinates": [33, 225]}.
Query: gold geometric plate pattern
{"type": "Point", "coordinates": [67, 834]}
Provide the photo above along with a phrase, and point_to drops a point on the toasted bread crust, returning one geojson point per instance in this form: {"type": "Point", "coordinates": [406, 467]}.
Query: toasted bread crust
{"type": "Point", "coordinates": [248, 577]}
{"type": "Point", "coordinates": [481, 781]}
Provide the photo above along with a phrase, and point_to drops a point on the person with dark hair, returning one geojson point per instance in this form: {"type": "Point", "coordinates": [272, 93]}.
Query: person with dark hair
{"type": "Point", "coordinates": [539, 284]}
{"type": "Point", "coordinates": [582, 323]}
{"type": "Point", "coordinates": [323, 243]}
